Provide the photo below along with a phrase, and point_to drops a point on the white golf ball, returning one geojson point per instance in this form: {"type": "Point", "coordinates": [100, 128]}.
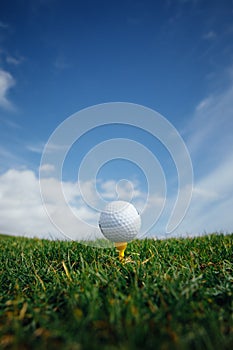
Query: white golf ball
{"type": "Point", "coordinates": [120, 221]}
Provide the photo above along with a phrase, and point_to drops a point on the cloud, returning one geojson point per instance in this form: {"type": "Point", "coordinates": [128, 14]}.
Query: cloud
{"type": "Point", "coordinates": [204, 104]}
{"type": "Point", "coordinates": [37, 148]}
{"type": "Point", "coordinates": [8, 158]}
{"type": "Point", "coordinates": [47, 168]}
{"type": "Point", "coordinates": [13, 60]}
{"type": "Point", "coordinates": [122, 190]}
{"type": "Point", "coordinates": [22, 211]}
{"type": "Point", "coordinates": [217, 184]}
{"type": "Point", "coordinates": [4, 153]}
{"type": "Point", "coordinates": [50, 148]}
{"type": "Point", "coordinates": [211, 206]}
{"type": "Point", "coordinates": [6, 83]}
{"type": "Point", "coordinates": [209, 139]}
{"type": "Point", "coordinates": [209, 130]}
{"type": "Point", "coordinates": [210, 35]}
{"type": "Point", "coordinates": [3, 25]}
{"type": "Point", "coordinates": [61, 63]}
{"type": "Point", "coordinates": [10, 123]}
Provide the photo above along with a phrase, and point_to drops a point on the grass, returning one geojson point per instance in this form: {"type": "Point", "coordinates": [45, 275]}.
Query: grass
{"type": "Point", "coordinates": [168, 294]}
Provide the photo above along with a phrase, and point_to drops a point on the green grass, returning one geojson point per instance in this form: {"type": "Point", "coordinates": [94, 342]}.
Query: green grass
{"type": "Point", "coordinates": [170, 294]}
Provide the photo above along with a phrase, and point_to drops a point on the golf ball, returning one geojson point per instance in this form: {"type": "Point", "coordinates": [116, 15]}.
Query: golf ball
{"type": "Point", "coordinates": [120, 221]}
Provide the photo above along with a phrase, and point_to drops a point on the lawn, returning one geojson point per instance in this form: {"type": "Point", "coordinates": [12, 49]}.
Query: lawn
{"type": "Point", "coordinates": [165, 294]}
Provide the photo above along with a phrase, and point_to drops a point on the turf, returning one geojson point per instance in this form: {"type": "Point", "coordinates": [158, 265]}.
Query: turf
{"type": "Point", "coordinates": [166, 294]}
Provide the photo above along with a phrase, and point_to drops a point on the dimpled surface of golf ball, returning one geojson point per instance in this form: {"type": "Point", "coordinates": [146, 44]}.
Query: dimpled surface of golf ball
{"type": "Point", "coordinates": [120, 221]}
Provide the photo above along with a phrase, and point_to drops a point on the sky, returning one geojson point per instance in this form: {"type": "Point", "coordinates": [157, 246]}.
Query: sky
{"type": "Point", "coordinates": [58, 58]}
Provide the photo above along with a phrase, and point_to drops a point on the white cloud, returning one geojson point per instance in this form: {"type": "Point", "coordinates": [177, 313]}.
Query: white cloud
{"type": "Point", "coordinates": [15, 61]}
{"type": "Point", "coordinates": [36, 148]}
{"type": "Point", "coordinates": [211, 206]}
{"type": "Point", "coordinates": [122, 190]}
{"type": "Point", "coordinates": [61, 63]}
{"type": "Point", "coordinates": [22, 211]}
{"type": "Point", "coordinates": [10, 123]}
{"type": "Point", "coordinates": [200, 192]}
{"type": "Point", "coordinates": [9, 158]}
{"type": "Point", "coordinates": [211, 144]}
{"type": "Point", "coordinates": [218, 184]}
{"type": "Point", "coordinates": [50, 148]}
{"type": "Point", "coordinates": [47, 168]}
{"type": "Point", "coordinates": [108, 189]}
{"type": "Point", "coordinates": [209, 35]}
{"type": "Point", "coordinates": [210, 129]}
{"type": "Point", "coordinates": [209, 138]}
{"type": "Point", "coordinates": [204, 104]}
{"type": "Point", "coordinates": [5, 153]}
{"type": "Point", "coordinates": [3, 25]}
{"type": "Point", "coordinates": [6, 82]}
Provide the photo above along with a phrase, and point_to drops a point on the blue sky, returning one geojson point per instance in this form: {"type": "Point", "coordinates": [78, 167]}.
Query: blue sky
{"type": "Point", "coordinates": [59, 57]}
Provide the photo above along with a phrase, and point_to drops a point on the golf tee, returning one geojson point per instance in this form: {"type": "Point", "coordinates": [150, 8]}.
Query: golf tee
{"type": "Point", "coordinates": [121, 246]}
